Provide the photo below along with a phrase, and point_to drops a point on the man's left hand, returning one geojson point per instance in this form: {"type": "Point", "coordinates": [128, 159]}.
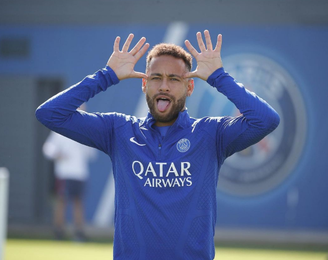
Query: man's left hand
{"type": "Point", "coordinates": [208, 60]}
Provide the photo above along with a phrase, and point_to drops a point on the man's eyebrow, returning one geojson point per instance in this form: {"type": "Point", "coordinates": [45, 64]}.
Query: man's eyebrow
{"type": "Point", "coordinates": [156, 74]}
{"type": "Point", "coordinates": [169, 75]}
{"type": "Point", "coordinates": [174, 76]}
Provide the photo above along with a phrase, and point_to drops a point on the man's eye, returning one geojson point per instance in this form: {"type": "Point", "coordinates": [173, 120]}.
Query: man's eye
{"type": "Point", "coordinates": [175, 79]}
{"type": "Point", "coordinates": [155, 78]}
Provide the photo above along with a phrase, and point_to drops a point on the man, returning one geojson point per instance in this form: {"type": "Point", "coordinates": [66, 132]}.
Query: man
{"type": "Point", "coordinates": [165, 165]}
{"type": "Point", "coordinates": [71, 173]}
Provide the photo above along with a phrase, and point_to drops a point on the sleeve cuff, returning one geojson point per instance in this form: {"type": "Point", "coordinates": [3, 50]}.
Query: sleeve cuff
{"type": "Point", "coordinates": [211, 79]}
{"type": "Point", "coordinates": [112, 75]}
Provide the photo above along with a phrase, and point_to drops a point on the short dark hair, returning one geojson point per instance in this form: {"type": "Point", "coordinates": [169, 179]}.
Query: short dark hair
{"type": "Point", "coordinates": [170, 50]}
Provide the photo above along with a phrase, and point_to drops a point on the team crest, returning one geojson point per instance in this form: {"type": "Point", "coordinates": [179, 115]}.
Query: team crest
{"type": "Point", "coordinates": [265, 165]}
{"type": "Point", "coordinates": [183, 145]}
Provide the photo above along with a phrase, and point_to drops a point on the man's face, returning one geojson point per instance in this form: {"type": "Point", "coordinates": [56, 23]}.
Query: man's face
{"type": "Point", "coordinates": [166, 88]}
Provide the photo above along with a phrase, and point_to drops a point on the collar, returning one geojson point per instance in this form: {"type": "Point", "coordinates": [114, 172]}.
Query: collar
{"type": "Point", "coordinates": [182, 121]}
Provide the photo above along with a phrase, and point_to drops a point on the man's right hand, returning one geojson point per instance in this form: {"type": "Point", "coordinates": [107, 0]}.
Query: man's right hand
{"type": "Point", "coordinates": [123, 62]}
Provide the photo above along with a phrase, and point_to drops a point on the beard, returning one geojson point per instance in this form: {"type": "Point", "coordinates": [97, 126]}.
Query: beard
{"type": "Point", "coordinates": [176, 107]}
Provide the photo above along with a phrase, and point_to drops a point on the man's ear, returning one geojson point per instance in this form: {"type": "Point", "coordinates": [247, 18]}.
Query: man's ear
{"type": "Point", "coordinates": [144, 82]}
{"type": "Point", "coordinates": [190, 87]}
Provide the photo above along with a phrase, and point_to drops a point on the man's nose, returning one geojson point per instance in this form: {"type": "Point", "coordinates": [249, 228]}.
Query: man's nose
{"type": "Point", "coordinates": [164, 87]}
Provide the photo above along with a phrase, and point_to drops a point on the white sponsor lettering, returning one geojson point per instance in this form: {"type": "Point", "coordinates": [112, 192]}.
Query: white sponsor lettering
{"type": "Point", "coordinates": [164, 183]}
{"type": "Point", "coordinates": [161, 164]}
{"type": "Point", "coordinates": [184, 168]}
{"type": "Point", "coordinates": [163, 174]}
{"type": "Point", "coordinates": [173, 170]}
{"type": "Point", "coordinates": [138, 174]}
{"type": "Point", "coordinates": [150, 169]}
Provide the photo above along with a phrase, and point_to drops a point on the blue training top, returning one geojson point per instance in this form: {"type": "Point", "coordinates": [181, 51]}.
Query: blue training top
{"type": "Point", "coordinates": [165, 203]}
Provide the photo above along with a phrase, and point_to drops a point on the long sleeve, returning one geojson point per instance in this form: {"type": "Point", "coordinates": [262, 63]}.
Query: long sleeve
{"type": "Point", "coordinates": [257, 118]}
{"type": "Point", "coordinates": [60, 113]}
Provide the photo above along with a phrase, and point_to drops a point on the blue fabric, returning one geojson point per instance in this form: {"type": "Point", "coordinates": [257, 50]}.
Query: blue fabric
{"type": "Point", "coordinates": [162, 129]}
{"type": "Point", "coordinates": [165, 204]}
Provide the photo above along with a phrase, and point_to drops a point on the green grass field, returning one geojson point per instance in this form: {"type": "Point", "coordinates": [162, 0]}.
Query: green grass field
{"type": "Point", "coordinates": [17, 249]}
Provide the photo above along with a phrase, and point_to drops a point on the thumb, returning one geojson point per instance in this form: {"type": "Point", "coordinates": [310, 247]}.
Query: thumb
{"type": "Point", "coordinates": [191, 74]}
{"type": "Point", "coordinates": [139, 75]}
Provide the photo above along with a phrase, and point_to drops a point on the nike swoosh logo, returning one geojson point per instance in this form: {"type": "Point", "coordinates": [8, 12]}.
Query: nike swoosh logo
{"type": "Point", "coordinates": [132, 139]}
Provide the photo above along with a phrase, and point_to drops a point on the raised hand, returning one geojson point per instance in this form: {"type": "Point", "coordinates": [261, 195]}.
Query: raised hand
{"type": "Point", "coordinates": [123, 62]}
{"type": "Point", "coordinates": [208, 60]}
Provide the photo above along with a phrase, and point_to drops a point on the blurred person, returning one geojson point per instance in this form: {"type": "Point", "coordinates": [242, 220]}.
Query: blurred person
{"type": "Point", "coordinates": [71, 173]}
{"type": "Point", "coordinates": [166, 165]}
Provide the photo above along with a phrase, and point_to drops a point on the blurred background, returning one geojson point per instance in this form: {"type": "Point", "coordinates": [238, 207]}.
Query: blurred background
{"type": "Point", "coordinates": [272, 193]}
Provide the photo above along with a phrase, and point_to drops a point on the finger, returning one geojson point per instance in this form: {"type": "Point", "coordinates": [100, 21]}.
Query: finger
{"type": "Point", "coordinates": [200, 42]}
{"type": "Point", "coordinates": [127, 43]}
{"type": "Point", "coordinates": [137, 47]}
{"type": "Point", "coordinates": [191, 74]}
{"type": "Point", "coordinates": [208, 40]}
{"type": "Point", "coordinates": [218, 43]}
{"type": "Point", "coordinates": [143, 50]}
{"type": "Point", "coordinates": [191, 48]}
{"type": "Point", "coordinates": [139, 75]}
{"type": "Point", "coordinates": [116, 47]}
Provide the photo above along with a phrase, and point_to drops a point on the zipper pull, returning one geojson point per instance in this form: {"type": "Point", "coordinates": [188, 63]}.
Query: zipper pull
{"type": "Point", "coordinates": [159, 146]}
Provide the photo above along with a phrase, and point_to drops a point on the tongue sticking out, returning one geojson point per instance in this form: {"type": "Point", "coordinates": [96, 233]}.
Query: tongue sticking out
{"type": "Point", "coordinates": [162, 105]}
